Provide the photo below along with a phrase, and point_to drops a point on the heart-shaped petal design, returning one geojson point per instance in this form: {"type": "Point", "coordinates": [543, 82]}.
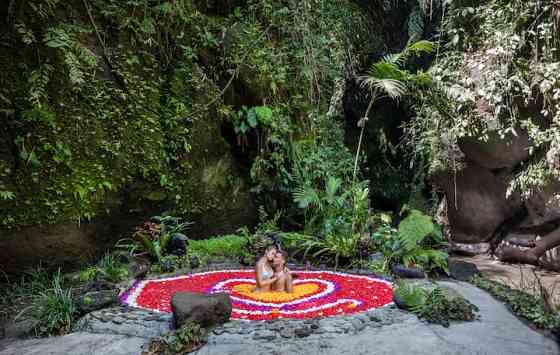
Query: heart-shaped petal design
{"type": "Point", "coordinates": [300, 290]}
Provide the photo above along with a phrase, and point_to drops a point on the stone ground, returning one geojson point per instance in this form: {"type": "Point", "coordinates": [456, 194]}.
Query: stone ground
{"type": "Point", "coordinates": [517, 276]}
{"type": "Point", "coordinates": [388, 330]}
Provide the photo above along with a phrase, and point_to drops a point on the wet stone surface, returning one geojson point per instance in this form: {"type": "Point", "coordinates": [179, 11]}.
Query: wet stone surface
{"type": "Point", "coordinates": [125, 321]}
{"type": "Point", "coordinates": [314, 328]}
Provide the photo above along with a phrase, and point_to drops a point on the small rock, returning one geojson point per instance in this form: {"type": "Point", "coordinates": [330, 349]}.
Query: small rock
{"type": "Point", "coordinates": [469, 249]}
{"type": "Point", "coordinates": [274, 325]}
{"type": "Point", "coordinates": [287, 333]}
{"type": "Point", "coordinates": [374, 316]}
{"type": "Point", "coordinates": [303, 332]}
{"type": "Point", "coordinates": [358, 324]}
{"type": "Point", "coordinates": [178, 244]}
{"type": "Point", "coordinates": [219, 331]}
{"type": "Point", "coordinates": [266, 335]}
{"type": "Point", "coordinates": [362, 317]}
{"type": "Point", "coordinates": [195, 262]}
{"type": "Point", "coordinates": [408, 272]}
{"type": "Point", "coordinates": [138, 268]}
{"type": "Point", "coordinates": [330, 329]}
{"type": "Point", "coordinates": [462, 270]}
{"type": "Point", "coordinates": [205, 310]}
{"type": "Point", "coordinates": [94, 300]}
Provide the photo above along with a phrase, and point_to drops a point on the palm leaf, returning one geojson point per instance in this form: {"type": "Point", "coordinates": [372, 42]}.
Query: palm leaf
{"type": "Point", "coordinates": [385, 70]}
{"type": "Point", "coordinates": [420, 47]}
{"type": "Point", "coordinates": [333, 185]}
{"type": "Point", "coordinates": [306, 196]}
{"type": "Point", "coordinates": [395, 89]}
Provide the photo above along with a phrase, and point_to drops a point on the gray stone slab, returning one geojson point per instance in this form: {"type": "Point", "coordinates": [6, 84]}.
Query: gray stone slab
{"type": "Point", "coordinates": [80, 343]}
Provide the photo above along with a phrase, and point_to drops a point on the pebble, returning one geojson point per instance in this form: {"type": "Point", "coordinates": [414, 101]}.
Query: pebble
{"type": "Point", "coordinates": [358, 324]}
{"type": "Point", "coordinates": [303, 332]}
{"type": "Point", "coordinates": [287, 333]}
{"type": "Point", "coordinates": [267, 336]}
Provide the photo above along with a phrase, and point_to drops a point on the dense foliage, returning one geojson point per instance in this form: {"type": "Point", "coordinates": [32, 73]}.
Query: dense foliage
{"type": "Point", "coordinates": [496, 78]}
{"type": "Point", "coordinates": [107, 96]}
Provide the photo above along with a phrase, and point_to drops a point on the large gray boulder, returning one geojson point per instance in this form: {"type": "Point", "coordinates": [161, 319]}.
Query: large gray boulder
{"type": "Point", "coordinates": [205, 310]}
{"type": "Point", "coordinates": [496, 152]}
{"type": "Point", "coordinates": [476, 203]}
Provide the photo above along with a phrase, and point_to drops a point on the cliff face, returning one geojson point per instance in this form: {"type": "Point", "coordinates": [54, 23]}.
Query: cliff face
{"type": "Point", "coordinates": [495, 120]}
{"type": "Point", "coordinates": [118, 110]}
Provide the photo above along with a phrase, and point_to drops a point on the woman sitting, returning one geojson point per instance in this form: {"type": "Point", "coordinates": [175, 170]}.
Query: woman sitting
{"type": "Point", "coordinates": [264, 272]}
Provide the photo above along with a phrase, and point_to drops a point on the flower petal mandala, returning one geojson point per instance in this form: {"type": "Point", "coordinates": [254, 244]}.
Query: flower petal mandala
{"type": "Point", "coordinates": [316, 294]}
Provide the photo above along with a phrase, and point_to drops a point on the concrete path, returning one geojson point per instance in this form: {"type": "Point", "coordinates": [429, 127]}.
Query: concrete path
{"type": "Point", "coordinates": [382, 331]}
{"type": "Point", "coordinates": [80, 343]}
{"type": "Point", "coordinates": [517, 276]}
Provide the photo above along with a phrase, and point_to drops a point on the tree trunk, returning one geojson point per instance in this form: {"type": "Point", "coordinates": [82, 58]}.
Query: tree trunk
{"type": "Point", "coordinates": [532, 256]}
{"type": "Point", "coordinates": [363, 121]}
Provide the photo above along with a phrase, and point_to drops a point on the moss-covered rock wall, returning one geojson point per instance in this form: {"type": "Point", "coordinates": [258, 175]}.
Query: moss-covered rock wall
{"type": "Point", "coordinates": [131, 108]}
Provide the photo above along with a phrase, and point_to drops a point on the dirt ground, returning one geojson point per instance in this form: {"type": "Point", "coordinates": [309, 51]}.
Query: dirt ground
{"type": "Point", "coordinates": [517, 276]}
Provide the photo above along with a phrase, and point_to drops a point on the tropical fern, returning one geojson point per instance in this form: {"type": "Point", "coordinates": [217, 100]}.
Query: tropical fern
{"type": "Point", "coordinates": [38, 81]}
{"type": "Point", "coordinates": [413, 229]}
{"type": "Point", "coordinates": [78, 59]}
{"type": "Point", "coordinates": [416, 243]}
{"type": "Point", "coordinates": [306, 196]}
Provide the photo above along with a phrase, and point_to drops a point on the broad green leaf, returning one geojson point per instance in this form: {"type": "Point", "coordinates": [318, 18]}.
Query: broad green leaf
{"type": "Point", "coordinates": [252, 118]}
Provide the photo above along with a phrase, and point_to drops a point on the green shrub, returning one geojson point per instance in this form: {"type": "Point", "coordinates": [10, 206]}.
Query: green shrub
{"type": "Point", "coordinates": [413, 297]}
{"type": "Point", "coordinates": [88, 274]}
{"type": "Point", "coordinates": [435, 306]}
{"type": "Point", "coordinates": [416, 242]}
{"type": "Point", "coordinates": [54, 308]}
{"type": "Point", "coordinates": [185, 340]}
{"type": "Point", "coordinates": [335, 245]}
{"type": "Point", "coordinates": [111, 269]}
{"type": "Point", "coordinates": [440, 308]}
{"type": "Point", "coordinates": [154, 237]}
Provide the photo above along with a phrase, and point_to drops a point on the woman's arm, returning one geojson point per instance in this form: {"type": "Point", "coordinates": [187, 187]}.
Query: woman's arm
{"type": "Point", "coordinates": [289, 283]}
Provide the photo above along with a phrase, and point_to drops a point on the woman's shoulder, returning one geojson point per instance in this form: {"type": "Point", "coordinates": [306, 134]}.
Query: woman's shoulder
{"type": "Point", "coordinates": [261, 261]}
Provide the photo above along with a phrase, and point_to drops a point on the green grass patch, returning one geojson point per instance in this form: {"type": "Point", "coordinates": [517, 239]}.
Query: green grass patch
{"type": "Point", "coordinates": [226, 246]}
